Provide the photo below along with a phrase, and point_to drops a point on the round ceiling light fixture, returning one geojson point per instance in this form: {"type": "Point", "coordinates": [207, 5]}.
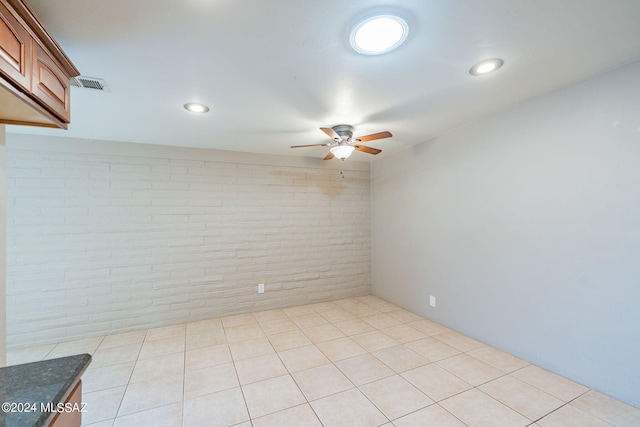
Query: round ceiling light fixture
{"type": "Point", "coordinates": [378, 34]}
{"type": "Point", "coordinates": [196, 107]}
{"type": "Point", "coordinates": [486, 66]}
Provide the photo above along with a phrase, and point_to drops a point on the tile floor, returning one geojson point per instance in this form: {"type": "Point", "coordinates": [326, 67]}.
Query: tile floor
{"type": "Point", "coordinates": [353, 362]}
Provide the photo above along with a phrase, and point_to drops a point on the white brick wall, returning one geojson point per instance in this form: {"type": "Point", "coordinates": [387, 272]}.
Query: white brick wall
{"type": "Point", "coordinates": [100, 243]}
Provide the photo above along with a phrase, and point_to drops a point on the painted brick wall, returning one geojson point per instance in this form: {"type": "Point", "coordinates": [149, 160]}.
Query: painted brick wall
{"type": "Point", "coordinates": [100, 243]}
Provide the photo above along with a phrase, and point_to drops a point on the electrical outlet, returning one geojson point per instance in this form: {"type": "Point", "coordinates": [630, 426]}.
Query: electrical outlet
{"type": "Point", "coordinates": [261, 288]}
{"type": "Point", "coordinates": [432, 301]}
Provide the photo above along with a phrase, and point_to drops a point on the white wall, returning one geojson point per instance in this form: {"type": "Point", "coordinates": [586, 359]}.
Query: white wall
{"type": "Point", "coordinates": [526, 227]}
{"type": "Point", "coordinates": [105, 237]}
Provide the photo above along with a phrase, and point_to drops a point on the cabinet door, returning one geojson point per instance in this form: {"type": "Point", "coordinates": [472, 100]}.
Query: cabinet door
{"type": "Point", "coordinates": [15, 49]}
{"type": "Point", "coordinates": [50, 84]}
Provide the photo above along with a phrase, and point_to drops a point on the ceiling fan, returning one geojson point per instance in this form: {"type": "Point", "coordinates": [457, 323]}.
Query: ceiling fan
{"type": "Point", "coordinates": [344, 143]}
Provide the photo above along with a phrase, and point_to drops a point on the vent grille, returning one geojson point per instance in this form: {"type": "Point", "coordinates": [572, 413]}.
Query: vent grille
{"type": "Point", "coordinates": [89, 83]}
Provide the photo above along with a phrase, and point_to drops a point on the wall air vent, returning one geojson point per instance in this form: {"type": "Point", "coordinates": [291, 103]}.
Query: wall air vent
{"type": "Point", "coordinates": [89, 83]}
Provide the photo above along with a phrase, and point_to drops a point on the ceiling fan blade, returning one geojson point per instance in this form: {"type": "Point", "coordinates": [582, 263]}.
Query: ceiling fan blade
{"type": "Point", "coordinates": [369, 150]}
{"type": "Point", "coordinates": [331, 133]}
{"type": "Point", "coordinates": [328, 156]}
{"type": "Point", "coordinates": [374, 136]}
{"type": "Point", "coordinates": [310, 145]}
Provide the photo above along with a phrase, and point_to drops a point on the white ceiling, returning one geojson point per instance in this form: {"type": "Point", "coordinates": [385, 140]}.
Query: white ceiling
{"type": "Point", "coordinates": [275, 71]}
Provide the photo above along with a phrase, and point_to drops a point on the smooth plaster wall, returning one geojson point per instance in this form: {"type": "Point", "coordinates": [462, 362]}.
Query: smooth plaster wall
{"type": "Point", "coordinates": [105, 237]}
{"type": "Point", "coordinates": [526, 227]}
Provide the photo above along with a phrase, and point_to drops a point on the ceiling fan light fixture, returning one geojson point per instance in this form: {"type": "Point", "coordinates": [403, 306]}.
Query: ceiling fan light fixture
{"type": "Point", "coordinates": [342, 151]}
{"type": "Point", "coordinates": [486, 66]}
{"type": "Point", "coordinates": [378, 34]}
{"type": "Point", "coordinates": [196, 107]}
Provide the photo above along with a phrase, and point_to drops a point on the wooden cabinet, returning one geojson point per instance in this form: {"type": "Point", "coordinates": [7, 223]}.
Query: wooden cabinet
{"type": "Point", "coordinates": [70, 418]}
{"type": "Point", "coordinates": [34, 72]}
{"type": "Point", "coordinates": [15, 49]}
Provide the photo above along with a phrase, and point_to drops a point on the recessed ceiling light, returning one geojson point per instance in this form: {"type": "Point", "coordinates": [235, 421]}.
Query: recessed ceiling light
{"type": "Point", "coordinates": [195, 107]}
{"type": "Point", "coordinates": [378, 34]}
{"type": "Point", "coordinates": [486, 66]}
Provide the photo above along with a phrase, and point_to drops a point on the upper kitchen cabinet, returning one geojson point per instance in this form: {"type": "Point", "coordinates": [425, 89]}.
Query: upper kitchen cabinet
{"type": "Point", "coordinates": [35, 73]}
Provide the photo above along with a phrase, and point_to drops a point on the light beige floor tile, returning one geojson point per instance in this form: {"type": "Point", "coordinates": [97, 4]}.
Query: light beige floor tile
{"type": "Point", "coordinates": [428, 327]}
{"type": "Point", "coordinates": [403, 333]}
{"type": "Point", "coordinates": [499, 359]}
{"type": "Point", "coordinates": [221, 409]}
{"type": "Point", "coordinates": [404, 316]}
{"type": "Point", "coordinates": [259, 368]}
{"type": "Point", "coordinates": [70, 348]}
{"type": "Point", "coordinates": [243, 332]}
{"type": "Point", "coordinates": [374, 340]}
{"type": "Point", "coordinates": [400, 358]}
{"type": "Point", "coordinates": [298, 311]}
{"type": "Point", "coordinates": [298, 416]}
{"type": "Point", "coordinates": [395, 397]}
{"type": "Point", "coordinates": [250, 348]}
{"type": "Point", "coordinates": [301, 358]}
{"type": "Point", "coordinates": [470, 369]}
{"type": "Point", "coordinates": [165, 416]}
{"type": "Point", "coordinates": [431, 416]}
{"type": "Point", "coordinates": [337, 315]}
{"type": "Point", "coordinates": [151, 394]}
{"type": "Point", "coordinates": [205, 338]}
{"type": "Point", "coordinates": [166, 332]}
{"type": "Point", "coordinates": [435, 382]}
{"type": "Point", "coordinates": [348, 408]}
{"type": "Point", "coordinates": [341, 348]}
{"type": "Point", "coordinates": [531, 402]}
{"type": "Point", "coordinates": [270, 315]}
{"type": "Point", "coordinates": [458, 340]}
{"type": "Point", "coordinates": [322, 333]}
{"type": "Point", "coordinates": [203, 326]}
{"type": "Point", "coordinates": [381, 321]}
{"type": "Point", "coordinates": [162, 347]}
{"type": "Point", "coordinates": [115, 355]}
{"type": "Point", "coordinates": [102, 405]}
{"type": "Point", "coordinates": [28, 355]}
{"type": "Point", "coordinates": [272, 395]}
{"type": "Point", "coordinates": [323, 307]}
{"type": "Point", "coordinates": [378, 303]}
{"type": "Point", "coordinates": [309, 320]}
{"type": "Point", "coordinates": [432, 349]}
{"type": "Point", "coordinates": [364, 311]}
{"type": "Point", "coordinates": [207, 356]}
{"type": "Point", "coordinates": [551, 383]}
{"type": "Point", "coordinates": [475, 408]}
{"type": "Point", "coordinates": [133, 337]}
{"type": "Point", "coordinates": [570, 416]}
{"type": "Point", "coordinates": [237, 320]}
{"type": "Point", "coordinates": [209, 380]}
{"type": "Point", "coordinates": [106, 377]}
{"type": "Point", "coordinates": [278, 326]}
{"type": "Point", "coordinates": [364, 369]}
{"type": "Point", "coordinates": [354, 327]}
{"type": "Point", "coordinates": [244, 424]}
{"type": "Point", "coordinates": [352, 305]}
{"type": "Point", "coordinates": [289, 340]}
{"type": "Point", "coordinates": [608, 409]}
{"type": "Point", "coordinates": [158, 367]}
{"type": "Point", "coordinates": [321, 381]}
{"type": "Point", "coordinates": [106, 423]}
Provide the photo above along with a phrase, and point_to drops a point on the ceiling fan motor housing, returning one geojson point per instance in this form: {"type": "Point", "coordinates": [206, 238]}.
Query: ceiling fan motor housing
{"type": "Point", "coordinates": [345, 132]}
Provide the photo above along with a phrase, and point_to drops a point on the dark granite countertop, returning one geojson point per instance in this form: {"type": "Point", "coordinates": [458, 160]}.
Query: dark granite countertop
{"type": "Point", "coordinates": [28, 388]}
